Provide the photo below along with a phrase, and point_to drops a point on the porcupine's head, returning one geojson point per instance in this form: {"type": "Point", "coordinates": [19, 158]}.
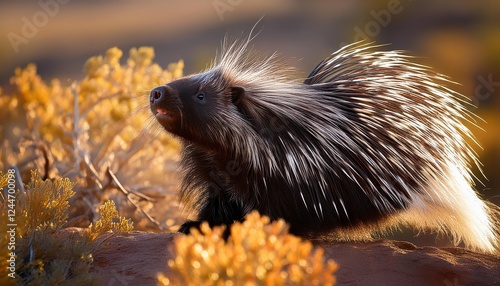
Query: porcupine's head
{"type": "Point", "coordinates": [218, 108]}
{"type": "Point", "coordinates": [187, 107]}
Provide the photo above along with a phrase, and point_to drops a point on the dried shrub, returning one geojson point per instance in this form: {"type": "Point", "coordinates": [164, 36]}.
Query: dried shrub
{"type": "Point", "coordinates": [256, 253]}
{"type": "Point", "coordinates": [44, 254]}
{"type": "Point", "coordinates": [44, 205]}
{"type": "Point", "coordinates": [110, 221]}
{"type": "Point", "coordinates": [90, 132]}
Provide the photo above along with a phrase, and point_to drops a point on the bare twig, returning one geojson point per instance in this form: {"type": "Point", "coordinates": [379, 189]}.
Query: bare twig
{"type": "Point", "coordinates": [137, 145]}
{"type": "Point", "coordinates": [142, 196]}
{"type": "Point", "coordinates": [19, 179]}
{"type": "Point", "coordinates": [106, 144]}
{"type": "Point", "coordinates": [155, 188]}
{"type": "Point", "coordinates": [101, 99]}
{"type": "Point", "coordinates": [42, 147]}
{"type": "Point", "coordinates": [32, 249]}
{"type": "Point", "coordinates": [94, 172]}
{"type": "Point", "coordinates": [127, 193]}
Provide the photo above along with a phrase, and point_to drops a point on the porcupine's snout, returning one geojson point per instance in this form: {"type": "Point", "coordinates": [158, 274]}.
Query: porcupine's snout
{"type": "Point", "coordinates": [163, 102]}
{"type": "Point", "coordinates": [158, 94]}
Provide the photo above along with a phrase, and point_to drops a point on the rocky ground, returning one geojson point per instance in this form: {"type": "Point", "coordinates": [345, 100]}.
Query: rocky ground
{"type": "Point", "coordinates": [136, 259]}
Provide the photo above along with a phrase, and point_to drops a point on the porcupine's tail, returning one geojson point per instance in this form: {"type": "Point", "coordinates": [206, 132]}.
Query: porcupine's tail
{"type": "Point", "coordinates": [427, 127]}
{"type": "Point", "coordinates": [451, 206]}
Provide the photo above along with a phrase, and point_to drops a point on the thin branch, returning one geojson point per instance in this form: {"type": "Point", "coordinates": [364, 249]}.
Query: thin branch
{"type": "Point", "coordinates": [32, 249]}
{"type": "Point", "coordinates": [140, 189]}
{"type": "Point", "coordinates": [45, 153]}
{"type": "Point", "coordinates": [93, 170]}
{"type": "Point", "coordinates": [127, 193]}
{"type": "Point", "coordinates": [19, 179]}
{"type": "Point", "coordinates": [142, 196]}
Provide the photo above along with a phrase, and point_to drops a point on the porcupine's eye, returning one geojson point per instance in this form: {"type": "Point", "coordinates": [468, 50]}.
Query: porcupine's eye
{"type": "Point", "coordinates": [201, 96]}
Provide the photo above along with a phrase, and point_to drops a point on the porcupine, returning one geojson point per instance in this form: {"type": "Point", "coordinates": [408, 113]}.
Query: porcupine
{"type": "Point", "coordinates": [368, 141]}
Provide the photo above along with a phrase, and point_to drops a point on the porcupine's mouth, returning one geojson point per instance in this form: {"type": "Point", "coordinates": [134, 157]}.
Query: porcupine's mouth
{"type": "Point", "coordinates": [163, 116]}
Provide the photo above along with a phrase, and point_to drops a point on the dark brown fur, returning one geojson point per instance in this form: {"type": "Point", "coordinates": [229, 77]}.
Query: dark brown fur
{"type": "Point", "coordinates": [368, 140]}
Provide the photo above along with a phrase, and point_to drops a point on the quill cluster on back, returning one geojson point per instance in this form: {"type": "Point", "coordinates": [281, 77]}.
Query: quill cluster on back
{"type": "Point", "coordinates": [368, 141]}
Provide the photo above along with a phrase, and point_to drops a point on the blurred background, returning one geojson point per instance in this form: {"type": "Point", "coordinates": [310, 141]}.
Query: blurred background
{"type": "Point", "coordinates": [458, 38]}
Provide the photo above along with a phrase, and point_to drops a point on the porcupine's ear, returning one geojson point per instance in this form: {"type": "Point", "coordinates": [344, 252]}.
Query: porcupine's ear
{"type": "Point", "coordinates": [237, 94]}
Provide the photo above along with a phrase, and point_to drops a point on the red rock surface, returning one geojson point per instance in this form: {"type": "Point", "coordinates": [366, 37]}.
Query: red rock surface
{"type": "Point", "coordinates": [389, 262]}
{"type": "Point", "coordinates": [136, 259]}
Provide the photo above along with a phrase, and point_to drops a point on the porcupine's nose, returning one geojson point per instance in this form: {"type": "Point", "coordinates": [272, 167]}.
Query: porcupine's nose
{"type": "Point", "coordinates": [157, 94]}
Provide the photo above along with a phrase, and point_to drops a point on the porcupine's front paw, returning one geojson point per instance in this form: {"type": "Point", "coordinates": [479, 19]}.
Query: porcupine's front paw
{"type": "Point", "coordinates": [186, 227]}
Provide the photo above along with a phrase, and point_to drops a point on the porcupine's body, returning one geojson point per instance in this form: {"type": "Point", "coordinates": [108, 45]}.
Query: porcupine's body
{"type": "Point", "coordinates": [367, 141]}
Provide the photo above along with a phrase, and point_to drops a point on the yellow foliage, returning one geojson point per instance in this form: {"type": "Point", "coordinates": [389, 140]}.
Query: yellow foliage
{"type": "Point", "coordinates": [110, 221]}
{"type": "Point", "coordinates": [109, 97]}
{"type": "Point", "coordinates": [48, 200]}
{"type": "Point", "coordinates": [44, 255]}
{"type": "Point", "coordinates": [82, 129]}
{"type": "Point", "coordinates": [256, 253]}
{"type": "Point", "coordinates": [30, 86]}
{"type": "Point", "coordinates": [3, 180]}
